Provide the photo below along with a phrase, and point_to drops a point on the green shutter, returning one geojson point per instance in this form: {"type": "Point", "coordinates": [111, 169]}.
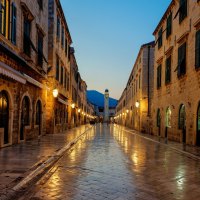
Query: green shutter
{"type": "Point", "coordinates": [14, 23]}
{"type": "Point", "coordinates": [197, 50]}
{"type": "Point", "coordinates": [169, 25]}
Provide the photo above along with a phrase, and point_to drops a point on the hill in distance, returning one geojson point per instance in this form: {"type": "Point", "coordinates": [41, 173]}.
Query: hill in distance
{"type": "Point", "coordinates": [96, 98]}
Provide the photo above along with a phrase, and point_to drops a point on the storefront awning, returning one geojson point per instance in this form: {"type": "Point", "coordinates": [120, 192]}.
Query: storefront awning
{"type": "Point", "coordinates": [62, 101]}
{"type": "Point", "coordinates": [11, 73]}
{"type": "Point", "coordinates": [34, 82]}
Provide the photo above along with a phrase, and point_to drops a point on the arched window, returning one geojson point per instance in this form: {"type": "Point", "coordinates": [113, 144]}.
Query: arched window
{"type": "Point", "coordinates": [26, 111]}
{"type": "Point", "coordinates": [38, 112]}
{"type": "Point", "coordinates": [158, 118]}
{"type": "Point", "coordinates": [182, 117]}
{"type": "Point", "coordinates": [4, 114]}
{"type": "Point", "coordinates": [168, 117]}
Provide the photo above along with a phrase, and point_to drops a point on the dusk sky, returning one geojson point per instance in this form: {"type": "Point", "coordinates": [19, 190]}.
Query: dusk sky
{"type": "Point", "coordinates": [107, 35]}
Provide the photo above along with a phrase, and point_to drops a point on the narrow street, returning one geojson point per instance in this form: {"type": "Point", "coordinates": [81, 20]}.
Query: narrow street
{"type": "Point", "coordinates": [111, 163]}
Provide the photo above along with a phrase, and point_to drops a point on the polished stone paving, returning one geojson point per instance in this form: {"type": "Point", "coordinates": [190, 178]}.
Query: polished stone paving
{"type": "Point", "coordinates": [110, 163]}
{"type": "Point", "coordinates": [19, 160]}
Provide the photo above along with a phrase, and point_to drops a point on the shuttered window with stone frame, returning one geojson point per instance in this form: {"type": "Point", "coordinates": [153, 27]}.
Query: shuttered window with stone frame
{"type": "Point", "coordinates": [40, 49]}
{"type": "Point", "coordinates": [26, 39]}
{"type": "Point", "coordinates": [61, 78]}
{"type": "Point", "coordinates": [58, 27]}
{"type": "Point", "coordinates": [197, 50]}
{"type": "Point", "coordinates": [160, 38]}
{"type": "Point", "coordinates": [181, 60]}
{"type": "Point", "coordinates": [182, 10]}
{"type": "Point", "coordinates": [14, 24]}
{"type": "Point", "coordinates": [66, 46]}
{"type": "Point", "coordinates": [62, 37]}
{"type": "Point", "coordinates": [169, 25]}
{"type": "Point", "coordinates": [159, 69]}
{"type": "Point", "coordinates": [168, 70]}
{"type": "Point", "coordinates": [57, 68]}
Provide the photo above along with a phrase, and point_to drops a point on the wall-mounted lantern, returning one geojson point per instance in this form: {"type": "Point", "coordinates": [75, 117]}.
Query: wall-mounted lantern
{"type": "Point", "coordinates": [137, 104]}
{"type": "Point", "coordinates": [55, 93]}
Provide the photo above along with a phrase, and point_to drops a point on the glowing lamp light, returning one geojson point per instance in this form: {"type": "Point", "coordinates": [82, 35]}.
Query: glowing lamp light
{"type": "Point", "coordinates": [127, 111]}
{"type": "Point", "coordinates": [73, 105]}
{"type": "Point", "coordinates": [55, 93]}
{"type": "Point", "coordinates": [137, 104]}
{"type": "Point", "coordinates": [79, 110]}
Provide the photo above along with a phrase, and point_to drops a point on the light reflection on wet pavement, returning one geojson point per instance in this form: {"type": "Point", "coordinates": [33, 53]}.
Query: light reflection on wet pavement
{"type": "Point", "coordinates": [109, 163]}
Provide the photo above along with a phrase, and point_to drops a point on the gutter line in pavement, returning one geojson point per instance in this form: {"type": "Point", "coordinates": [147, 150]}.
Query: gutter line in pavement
{"type": "Point", "coordinates": [45, 165]}
{"type": "Point", "coordinates": [190, 155]}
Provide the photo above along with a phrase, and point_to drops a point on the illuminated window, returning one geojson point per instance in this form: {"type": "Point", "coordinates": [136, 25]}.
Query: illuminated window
{"type": "Point", "coordinates": [4, 17]}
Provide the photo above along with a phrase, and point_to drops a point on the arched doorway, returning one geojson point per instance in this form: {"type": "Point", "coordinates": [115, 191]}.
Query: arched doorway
{"type": "Point", "coordinates": [182, 122]}
{"type": "Point", "coordinates": [24, 116]}
{"type": "Point", "coordinates": [168, 121]}
{"type": "Point", "coordinates": [39, 116]}
{"type": "Point", "coordinates": [198, 126]}
{"type": "Point", "coordinates": [4, 114]}
{"type": "Point", "coordinates": [159, 122]}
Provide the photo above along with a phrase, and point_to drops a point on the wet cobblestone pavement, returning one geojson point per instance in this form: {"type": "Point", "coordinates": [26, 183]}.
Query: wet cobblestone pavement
{"type": "Point", "coordinates": [110, 163]}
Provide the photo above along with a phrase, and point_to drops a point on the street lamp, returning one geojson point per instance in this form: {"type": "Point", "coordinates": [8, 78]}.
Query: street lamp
{"type": "Point", "coordinates": [73, 105]}
{"type": "Point", "coordinates": [79, 110]}
{"type": "Point", "coordinates": [55, 93]}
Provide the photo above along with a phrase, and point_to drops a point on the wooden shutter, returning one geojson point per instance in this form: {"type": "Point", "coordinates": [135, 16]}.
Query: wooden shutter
{"type": "Point", "coordinates": [197, 50]}
{"type": "Point", "coordinates": [182, 60]}
{"type": "Point", "coordinates": [14, 23]}
{"type": "Point", "coordinates": [169, 25]}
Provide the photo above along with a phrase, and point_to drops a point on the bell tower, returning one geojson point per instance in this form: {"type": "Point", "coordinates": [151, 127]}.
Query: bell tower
{"type": "Point", "coordinates": [106, 105]}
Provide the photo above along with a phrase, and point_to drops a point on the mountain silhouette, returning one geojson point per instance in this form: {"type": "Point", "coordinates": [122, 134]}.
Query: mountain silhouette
{"type": "Point", "coordinates": [96, 98]}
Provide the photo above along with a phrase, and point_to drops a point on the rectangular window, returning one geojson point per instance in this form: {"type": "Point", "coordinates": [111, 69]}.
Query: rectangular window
{"type": "Point", "coordinates": [67, 82]}
{"type": "Point", "coordinates": [169, 25]}
{"type": "Point", "coordinates": [183, 10]}
{"type": "Point", "coordinates": [40, 4]}
{"type": "Point", "coordinates": [5, 17]}
{"type": "Point", "coordinates": [139, 82]}
{"type": "Point", "coordinates": [66, 47]}
{"type": "Point", "coordinates": [58, 27]}
{"type": "Point", "coordinates": [197, 50]}
{"type": "Point", "coordinates": [159, 69]}
{"type": "Point", "coordinates": [26, 40]}
{"type": "Point", "coordinates": [168, 70]}
{"type": "Point", "coordinates": [57, 69]}
{"type": "Point", "coordinates": [14, 24]}
{"type": "Point", "coordinates": [40, 49]}
{"type": "Point", "coordinates": [160, 38]}
{"type": "Point", "coordinates": [182, 60]}
{"type": "Point", "coordinates": [62, 37]}
{"type": "Point", "coordinates": [61, 78]}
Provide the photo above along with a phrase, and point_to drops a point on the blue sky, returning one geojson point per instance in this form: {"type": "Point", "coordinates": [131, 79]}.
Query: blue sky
{"type": "Point", "coordinates": [107, 35]}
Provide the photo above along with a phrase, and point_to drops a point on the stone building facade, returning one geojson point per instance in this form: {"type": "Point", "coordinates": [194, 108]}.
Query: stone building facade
{"type": "Point", "coordinates": [176, 101]}
{"type": "Point", "coordinates": [58, 107]}
{"type": "Point", "coordinates": [134, 106]}
{"type": "Point", "coordinates": [23, 70]}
